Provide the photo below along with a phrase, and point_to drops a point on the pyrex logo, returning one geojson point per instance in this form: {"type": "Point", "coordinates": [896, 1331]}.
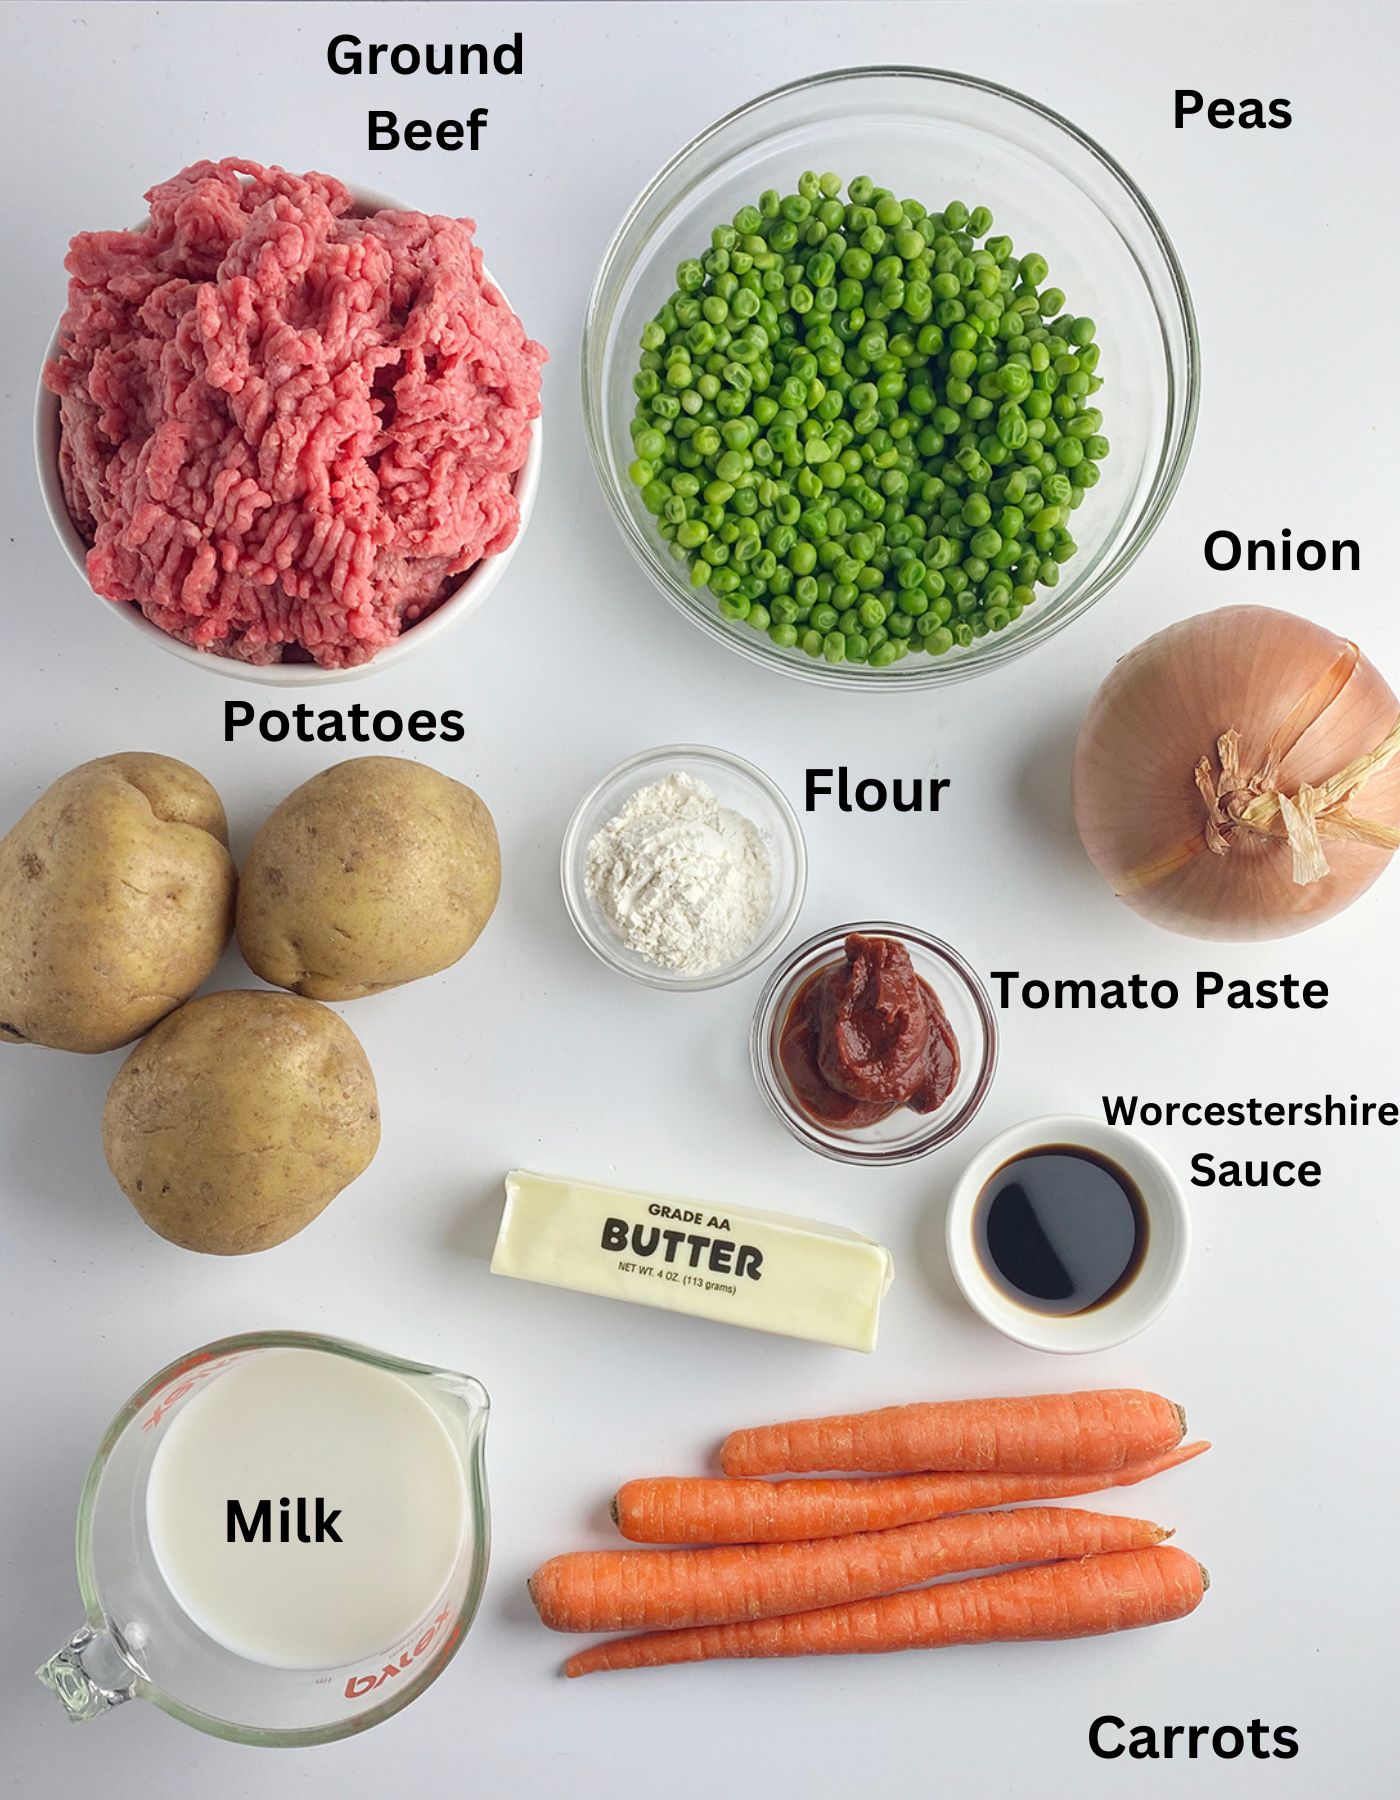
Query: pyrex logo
{"type": "Point", "coordinates": [175, 1393]}
{"type": "Point", "coordinates": [359, 1685]}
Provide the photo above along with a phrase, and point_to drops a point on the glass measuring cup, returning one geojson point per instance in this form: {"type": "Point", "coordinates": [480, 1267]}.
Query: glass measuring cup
{"type": "Point", "coordinates": [137, 1642]}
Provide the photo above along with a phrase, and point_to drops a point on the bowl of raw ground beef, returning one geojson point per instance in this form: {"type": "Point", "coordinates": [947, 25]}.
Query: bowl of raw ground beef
{"type": "Point", "coordinates": [286, 429]}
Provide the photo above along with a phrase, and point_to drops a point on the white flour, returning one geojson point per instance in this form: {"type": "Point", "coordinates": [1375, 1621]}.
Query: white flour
{"type": "Point", "coordinates": [682, 880]}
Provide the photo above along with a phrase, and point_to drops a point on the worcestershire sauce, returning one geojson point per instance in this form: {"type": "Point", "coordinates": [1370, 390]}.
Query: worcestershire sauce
{"type": "Point", "coordinates": [1061, 1229]}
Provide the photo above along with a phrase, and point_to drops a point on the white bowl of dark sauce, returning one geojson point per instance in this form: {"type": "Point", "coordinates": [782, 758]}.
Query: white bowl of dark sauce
{"type": "Point", "coordinates": [1068, 1234]}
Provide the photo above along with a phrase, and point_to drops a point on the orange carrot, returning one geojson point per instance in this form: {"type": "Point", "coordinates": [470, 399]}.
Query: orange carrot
{"type": "Point", "coordinates": [1052, 1434]}
{"type": "Point", "coordinates": [721, 1509]}
{"type": "Point", "coordinates": [1057, 1600]}
{"type": "Point", "coordinates": [641, 1590]}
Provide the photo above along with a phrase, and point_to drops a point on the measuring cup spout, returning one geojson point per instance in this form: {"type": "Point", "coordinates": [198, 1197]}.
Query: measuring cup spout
{"type": "Point", "coordinates": [470, 1397]}
{"type": "Point", "coordinates": [91, 1674]}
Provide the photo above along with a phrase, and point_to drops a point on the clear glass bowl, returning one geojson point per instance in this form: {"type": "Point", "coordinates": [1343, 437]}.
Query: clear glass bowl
{"type": "Point", "coordinates": [937, 136]}
{"type": "Point", "coordinates": [903, 1135]}
{"type": "Point", "coordinates": [736, 784]}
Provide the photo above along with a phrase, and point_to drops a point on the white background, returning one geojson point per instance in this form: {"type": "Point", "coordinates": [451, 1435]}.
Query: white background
{"type": "Point", "coordinates": [1283, 1339]}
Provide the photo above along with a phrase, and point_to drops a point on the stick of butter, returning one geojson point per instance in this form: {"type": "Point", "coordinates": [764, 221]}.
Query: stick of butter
{"type": "Point", "coordinates": [730, 1263]}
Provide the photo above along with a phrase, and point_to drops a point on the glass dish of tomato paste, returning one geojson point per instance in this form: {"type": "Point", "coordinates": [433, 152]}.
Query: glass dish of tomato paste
{"type": "Point", "coordinates": [874, 1043]}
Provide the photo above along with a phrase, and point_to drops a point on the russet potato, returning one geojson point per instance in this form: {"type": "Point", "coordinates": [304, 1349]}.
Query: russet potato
{"type": "Point", "coordinates": [116, 902]}
{"type": "Point", "coordinates": [377, 871]}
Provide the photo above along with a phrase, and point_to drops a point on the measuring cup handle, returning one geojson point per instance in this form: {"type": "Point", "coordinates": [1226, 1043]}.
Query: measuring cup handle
{"type": "Point", "coordinates": [77, 1686]}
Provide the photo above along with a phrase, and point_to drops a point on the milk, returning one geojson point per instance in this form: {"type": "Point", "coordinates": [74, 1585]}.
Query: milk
{"type": "Point", "coordinates": [339, 1450]}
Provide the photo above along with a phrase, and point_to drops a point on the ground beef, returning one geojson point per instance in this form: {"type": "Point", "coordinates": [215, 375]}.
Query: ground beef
{"type": "Point", "coordinates": [284, 429]}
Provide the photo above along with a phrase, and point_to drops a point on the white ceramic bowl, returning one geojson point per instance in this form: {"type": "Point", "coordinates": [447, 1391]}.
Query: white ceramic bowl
{"type": "Point", "coordinates": [471, 589]}
{"type": "Point", "coordinates": [1145, 1296]}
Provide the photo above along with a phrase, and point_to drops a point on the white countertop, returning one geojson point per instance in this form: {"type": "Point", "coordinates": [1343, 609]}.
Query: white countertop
{"type": "Point", "coordinates": [1283, 1341]}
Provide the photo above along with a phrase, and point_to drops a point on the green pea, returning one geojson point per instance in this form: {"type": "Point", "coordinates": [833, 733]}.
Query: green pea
{"type": "Point", "coordinates": [872, 612]}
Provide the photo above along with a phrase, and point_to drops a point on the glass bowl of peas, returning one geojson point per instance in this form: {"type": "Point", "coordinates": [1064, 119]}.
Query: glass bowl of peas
{"type": "Point", "coordinates": [888, 376]}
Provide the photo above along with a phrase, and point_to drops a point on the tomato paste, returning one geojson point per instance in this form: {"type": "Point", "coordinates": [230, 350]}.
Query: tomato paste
{"type": "Point", "coordinates": [865, 1036]}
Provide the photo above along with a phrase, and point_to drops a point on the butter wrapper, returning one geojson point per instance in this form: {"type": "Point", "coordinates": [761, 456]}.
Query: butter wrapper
{"type": "Point", "coordinates": [741, 1267]}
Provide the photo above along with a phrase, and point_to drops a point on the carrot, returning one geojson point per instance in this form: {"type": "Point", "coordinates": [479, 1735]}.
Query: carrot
{"type": "Point", "coordinates": [1053, 1434]}
{"type": "Point", "coordinates": [709, 1509]}
{"type": "Point", "coordinates": [638, 1590]}
{"type": "Point", "coordinates": [1057, 1600]}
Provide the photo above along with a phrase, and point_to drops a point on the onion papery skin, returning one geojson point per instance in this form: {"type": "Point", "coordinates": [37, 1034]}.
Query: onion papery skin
{"type": "Point", "coordinates": [1140, 814]}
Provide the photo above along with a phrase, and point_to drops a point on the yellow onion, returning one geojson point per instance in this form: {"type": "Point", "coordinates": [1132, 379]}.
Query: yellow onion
{"type": "Point", "coordinates": [1238, 775]}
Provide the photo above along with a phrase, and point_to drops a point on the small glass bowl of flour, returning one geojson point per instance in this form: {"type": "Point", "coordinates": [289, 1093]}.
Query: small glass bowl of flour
{"type": "Point", "coordinates": [685, 867]}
